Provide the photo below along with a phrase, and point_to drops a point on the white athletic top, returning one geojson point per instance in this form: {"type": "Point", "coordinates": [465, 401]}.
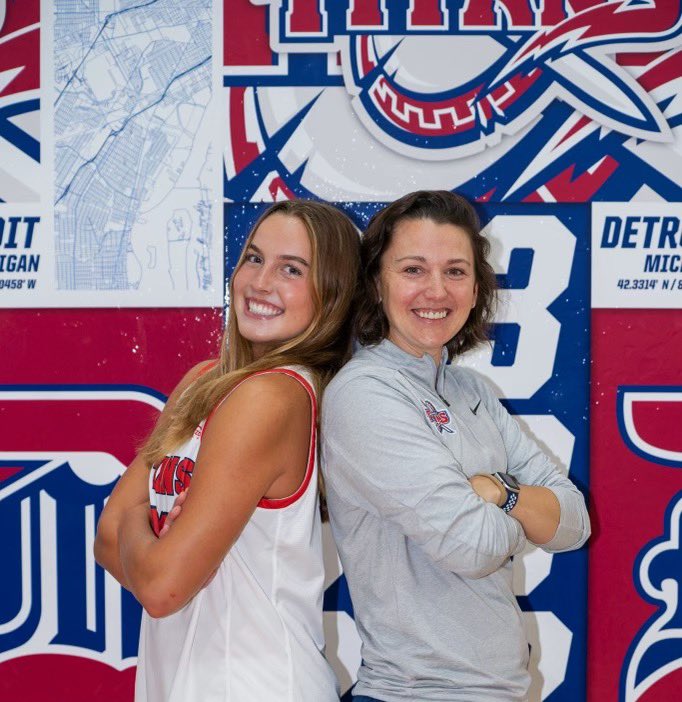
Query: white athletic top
{"type": "Point", "coordinates": [254, 634]}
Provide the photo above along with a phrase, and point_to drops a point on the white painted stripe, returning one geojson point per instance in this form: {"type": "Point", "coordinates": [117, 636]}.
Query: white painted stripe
{"type": "Point", "coordinates": [90, 614]}
{"type": "Point", "coordinates": [19, 32]}
{"type": "Point", "coordinates": [544, 193]}
{"type": "Point", "coordinates": [32, 476]}
{"type": "Point", "coordinates": [91, 395]}
{"type": "Point", "coordinates": [26, 591]}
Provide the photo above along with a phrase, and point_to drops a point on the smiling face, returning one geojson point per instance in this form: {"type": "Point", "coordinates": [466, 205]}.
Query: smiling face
{"type": "Point", "coordinates": [427, 283]}
{"type": "Point", "coordinates": [272, 289]}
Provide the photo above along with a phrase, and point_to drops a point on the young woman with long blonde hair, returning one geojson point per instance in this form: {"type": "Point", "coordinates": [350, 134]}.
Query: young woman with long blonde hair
{"type": "Point", "coordinates": [232, 591]}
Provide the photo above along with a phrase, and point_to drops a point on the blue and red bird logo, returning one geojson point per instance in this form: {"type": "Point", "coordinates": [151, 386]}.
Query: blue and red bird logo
{"type": "Point", "coordinates": [536, 99]}
{"type": "Point", "coordinates": [440, 418]}
{"type": "Point", "coordinates": [421, 89]}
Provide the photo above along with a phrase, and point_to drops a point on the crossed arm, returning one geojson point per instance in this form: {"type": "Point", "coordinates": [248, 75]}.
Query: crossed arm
{"type": "Point", "coordinates": [537, 509]}
{"type": "Point", "coordinates": [404, 474]}
{"type": "Point", "coordinates": [131, 490]}
{"type": "Point", "coordinates": [550, 508]}
{"type": "Point", "coordinates": [255, 444]}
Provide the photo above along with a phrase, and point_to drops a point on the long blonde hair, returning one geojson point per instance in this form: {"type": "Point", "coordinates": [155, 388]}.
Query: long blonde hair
{"type": "Point", "coordinates": [323, 347]}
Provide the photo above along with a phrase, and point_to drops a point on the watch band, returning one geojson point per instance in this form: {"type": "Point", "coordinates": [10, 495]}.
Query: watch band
{"type": "Point", "coordinates": [511, 486]}
{"type": "Point", "coordinates": [512, 498]}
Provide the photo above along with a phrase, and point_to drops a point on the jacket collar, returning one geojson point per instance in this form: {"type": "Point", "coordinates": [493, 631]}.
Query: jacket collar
{"type": "Point", "coordinates": [421, 369]}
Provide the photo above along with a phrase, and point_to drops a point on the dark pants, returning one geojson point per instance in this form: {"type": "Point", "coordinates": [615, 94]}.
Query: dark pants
{"type": "Point", "coordinates": [362, 698]}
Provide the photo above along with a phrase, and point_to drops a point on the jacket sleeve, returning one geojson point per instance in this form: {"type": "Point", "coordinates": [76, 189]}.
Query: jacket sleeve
{"type": "Point", "coordinates": [380, 455]}
{"type": "Point", "coordinates": [531, 466]}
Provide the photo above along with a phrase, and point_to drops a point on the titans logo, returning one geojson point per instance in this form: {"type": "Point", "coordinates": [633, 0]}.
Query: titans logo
{"type": "Point", "coordinates": [541, 101]}
{"type": "Point", "coordinates": [649, 421]}
{"type": "Point", "coordinates": [54, 598]}
{"type": "Point", "coordinates": [656, 651]}
{"type": "Point", "coordinates": [443, 80]}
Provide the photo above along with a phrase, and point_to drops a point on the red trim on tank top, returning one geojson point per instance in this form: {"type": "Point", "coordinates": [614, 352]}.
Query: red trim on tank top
{"type": "Point", "coordinates": [281, 502]}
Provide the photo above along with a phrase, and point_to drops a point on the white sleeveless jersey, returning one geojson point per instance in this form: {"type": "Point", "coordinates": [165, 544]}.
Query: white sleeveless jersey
{"type": "Point", "coordinates": [254, 634]}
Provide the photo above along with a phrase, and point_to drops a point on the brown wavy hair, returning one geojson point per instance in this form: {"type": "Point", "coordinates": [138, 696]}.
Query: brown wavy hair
{"type": "Point", "coordinates": [441, 207]}
{"type": "Point", "coordinates": [323, 347]}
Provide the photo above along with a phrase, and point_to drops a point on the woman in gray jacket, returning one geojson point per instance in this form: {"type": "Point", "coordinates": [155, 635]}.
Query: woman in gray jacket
{"type": "Point", "coordinates": [432, 486]}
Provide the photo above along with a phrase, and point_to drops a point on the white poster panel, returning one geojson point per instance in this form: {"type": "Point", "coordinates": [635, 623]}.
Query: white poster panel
{"type": "Point", "coordinates": [637, 255]}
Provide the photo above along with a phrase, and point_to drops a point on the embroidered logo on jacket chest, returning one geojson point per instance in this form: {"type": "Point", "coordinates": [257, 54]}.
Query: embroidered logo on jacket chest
{"type": "Point", "coordinates": [441, 418]}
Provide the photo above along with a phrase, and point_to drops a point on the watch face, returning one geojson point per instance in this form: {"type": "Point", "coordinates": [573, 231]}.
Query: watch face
{"type": "Point", "coordinates": [509, 481]}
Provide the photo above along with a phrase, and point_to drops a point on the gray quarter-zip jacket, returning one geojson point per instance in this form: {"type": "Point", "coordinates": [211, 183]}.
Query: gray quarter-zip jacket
{"type": "Point", "coordinates": [427, 560]}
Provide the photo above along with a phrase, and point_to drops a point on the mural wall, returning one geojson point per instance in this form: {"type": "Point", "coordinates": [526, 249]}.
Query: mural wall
{"type": "Point", "coordinates": [140, 139]}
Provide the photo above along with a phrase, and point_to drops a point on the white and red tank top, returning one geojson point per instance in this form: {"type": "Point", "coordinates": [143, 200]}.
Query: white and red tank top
{"type": "Point", "coordinates": [254, 634]}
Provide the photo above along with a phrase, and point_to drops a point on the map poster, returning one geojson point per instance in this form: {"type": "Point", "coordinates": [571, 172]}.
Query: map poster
{"type": "Point", "coordinates": [124, 167]}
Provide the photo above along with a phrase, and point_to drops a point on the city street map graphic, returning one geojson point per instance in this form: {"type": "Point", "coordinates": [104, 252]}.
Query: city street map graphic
{"type": "Point", "coordinates": [133, 151]}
